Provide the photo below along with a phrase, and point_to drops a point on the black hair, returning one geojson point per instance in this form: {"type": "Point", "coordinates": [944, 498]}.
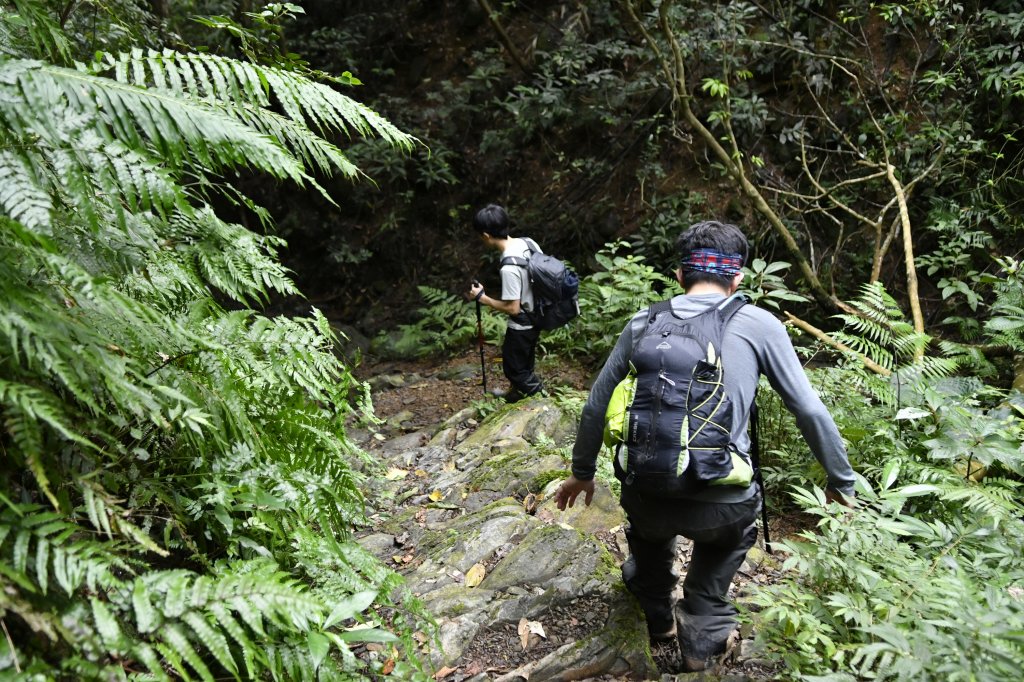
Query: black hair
{"type": "Point", "coordinates": [492, 219]}
{"type": "Point", "coordinates": [710, 234]}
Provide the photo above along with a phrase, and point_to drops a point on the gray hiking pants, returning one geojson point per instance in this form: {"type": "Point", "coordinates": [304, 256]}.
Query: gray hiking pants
{"type": "Point", "coordinates": [721, 534]}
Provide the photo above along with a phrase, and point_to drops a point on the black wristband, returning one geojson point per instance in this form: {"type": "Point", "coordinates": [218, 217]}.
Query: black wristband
{"type": "Point", "coordinates": [477, 297]}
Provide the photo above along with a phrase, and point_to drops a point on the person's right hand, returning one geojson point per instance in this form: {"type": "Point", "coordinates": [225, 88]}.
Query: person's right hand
{"type": "Point", "coordinates": [832, 495]}
{"type": "Point", "coordinates": [570, 490]}
{"type": "Point", "coordinates": [474, 290]}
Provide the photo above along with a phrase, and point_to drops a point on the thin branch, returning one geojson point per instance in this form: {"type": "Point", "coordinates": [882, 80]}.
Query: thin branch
{"type": "Point", "coordinates": [828, 340]}
{"type": "Point", "coordinates": [675, 72]}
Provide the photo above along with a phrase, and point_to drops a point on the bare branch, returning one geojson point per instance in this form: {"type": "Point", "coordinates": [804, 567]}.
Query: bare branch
{"type": "Point", "coordinates": [825, 338]}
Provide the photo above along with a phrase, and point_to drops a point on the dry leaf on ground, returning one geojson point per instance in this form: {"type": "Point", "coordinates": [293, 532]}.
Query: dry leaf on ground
{"type": "Point", "coordinates": [475, 575]}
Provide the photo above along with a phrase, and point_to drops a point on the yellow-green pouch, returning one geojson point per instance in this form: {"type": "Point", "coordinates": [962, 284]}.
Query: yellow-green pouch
{"type": "Point", "coordinates": [616, 417]}
{"type": "Point", "coordinates": [742, 473]}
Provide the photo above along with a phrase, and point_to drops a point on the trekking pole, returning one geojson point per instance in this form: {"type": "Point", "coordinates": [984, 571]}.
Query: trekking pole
{"type": "Point", "coordinates": [755, 447]}
{"type": "Point", "coordinates": [480, 343]}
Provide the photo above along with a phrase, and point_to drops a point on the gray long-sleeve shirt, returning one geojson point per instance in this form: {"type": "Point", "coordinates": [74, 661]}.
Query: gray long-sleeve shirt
{"type": "Point", "coordinates": [754, 343]}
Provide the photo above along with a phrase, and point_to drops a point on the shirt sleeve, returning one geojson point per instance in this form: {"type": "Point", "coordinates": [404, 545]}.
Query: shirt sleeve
{"type": "Point", "coordinates": [511, 283]}
{"type": "Point", "coordinates": [590, 434]}
{"type": "Point", "coordinates": [787, 376]}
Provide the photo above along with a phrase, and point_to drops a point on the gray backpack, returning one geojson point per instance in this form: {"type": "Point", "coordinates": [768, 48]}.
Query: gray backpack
{"type": "Point", "coordinates": [670, 419]}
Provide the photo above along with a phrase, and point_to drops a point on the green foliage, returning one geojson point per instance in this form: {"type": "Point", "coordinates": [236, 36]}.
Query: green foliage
{"type": "Point", "coordinates": [880, 331]}
{"type": "Point", "coordinates": [171, 457]}
{"type": "Point", "coordinates": [447, 323]}
{"type": "Point", "coordinates": [1005, 326]}
{"type": "Point", "coordinates": [899, 590]}
{"type": "Point", "coordinates": [923, 579]}
{"type": "Point", "coordinates": [765, 286]}
{"type": "Point", "coordinates": [623, 285]}
{"type": "Point", "coordinates": [655, 240]}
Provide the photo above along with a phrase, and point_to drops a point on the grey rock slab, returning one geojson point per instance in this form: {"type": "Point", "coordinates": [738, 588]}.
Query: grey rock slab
{"type": "Point", "coordinates": [548, 554]}
{"type": "Point", "coordinates": [602, 515]}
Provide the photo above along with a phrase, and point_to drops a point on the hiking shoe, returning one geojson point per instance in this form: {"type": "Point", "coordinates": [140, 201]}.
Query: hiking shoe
{"type": "Point", "coordinates": [509, 396]}
{"type": "Point", "coordinates": [661, 637]}
{"type": "Point", "coordinates": [692, 665]}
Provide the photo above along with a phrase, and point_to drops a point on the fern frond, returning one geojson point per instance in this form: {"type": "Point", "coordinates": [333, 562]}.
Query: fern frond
{"type": "Point", "coordinates": [36, 405]}
{"type": "Point", "coordinates": [183, 130]}
{"type": "Point", "coordinates": [997, 498]}
{"type": "Point", "coordinates": [32, 29]}
{"type": "Point", "coordinates": [21, 196]}
{"type": "Point", "coordinates": [213, 77]}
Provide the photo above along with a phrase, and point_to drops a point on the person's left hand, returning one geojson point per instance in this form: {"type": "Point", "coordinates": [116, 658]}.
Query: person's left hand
{"type": "Point", "coordinates": [570, 490]}
{"type": "Point", "coordinates": [474, 289]}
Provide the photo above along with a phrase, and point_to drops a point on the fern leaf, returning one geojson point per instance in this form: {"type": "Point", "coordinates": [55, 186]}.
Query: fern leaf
{"type": "Point", "coordinates": [42, 32]}
{"type": "Point", "coordinates": [21, 194]}
{"type": "Point", "coordinates": [175, 637]}
{"type": "Point", "coordinates": [106, 625]}
{"type": "Point", "coordinates": [221, 78]}
{"type": "Point", "coordinates": [147, 618]}
{"type": "Point", "coordinates": [212, 640]}
{"type": "Point", "coordinates": [182, 129]}
{"type": "Point", "coordinates": [228, 623]}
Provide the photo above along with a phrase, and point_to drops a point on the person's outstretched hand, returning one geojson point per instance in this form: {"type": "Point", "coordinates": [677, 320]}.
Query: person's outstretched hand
{"type": "Point", "coordinates": [570, 490]}
{"type": "Point", "coordinates": [832, 495]}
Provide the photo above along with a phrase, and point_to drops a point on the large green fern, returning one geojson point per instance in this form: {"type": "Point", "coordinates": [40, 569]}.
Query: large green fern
{"type": "Point", "coordinates": [163, 445]}
{"type": "Point", "coordinates": [880, 331]}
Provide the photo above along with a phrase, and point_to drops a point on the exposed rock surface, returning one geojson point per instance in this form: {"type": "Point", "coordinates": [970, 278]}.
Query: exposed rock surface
{"type": "Point", "coordinates": [519, 590]}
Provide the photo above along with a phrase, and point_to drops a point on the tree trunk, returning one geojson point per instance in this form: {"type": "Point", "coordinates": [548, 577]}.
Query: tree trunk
{"type": "Point", "coordinates": [503, 36]}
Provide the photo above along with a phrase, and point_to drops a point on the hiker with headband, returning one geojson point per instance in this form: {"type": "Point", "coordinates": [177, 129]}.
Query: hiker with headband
{"type": "Point", "coordinates": [712, 502]}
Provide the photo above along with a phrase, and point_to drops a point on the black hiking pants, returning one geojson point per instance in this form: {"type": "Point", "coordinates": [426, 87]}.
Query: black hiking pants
{"type": "Point", "coordinates": [518, 356]}
{"type": "Point", "coordinates": [721, 534]}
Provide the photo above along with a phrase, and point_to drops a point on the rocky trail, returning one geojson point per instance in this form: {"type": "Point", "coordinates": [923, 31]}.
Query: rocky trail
{"type": "Point", "coordinates": [519, 590]}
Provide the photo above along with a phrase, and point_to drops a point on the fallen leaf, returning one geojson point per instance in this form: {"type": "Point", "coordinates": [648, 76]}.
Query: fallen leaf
{"type": "Point", "coordinates": [530, 632]}
{"type": "Point", "coordinates": [395, 474]}
{"type": "Point", "coordinates": [524, 632]}
{"type": "Point", "coordinates": [475, 575]}
{"type": "Point", "coordinates": [420, 473]}
{"type": "Point", "coordinates": [389, 665]}
{"type": "Point", "coordinates": [444, 672]}
{"type": "Point", "coordinates": [436, 496]}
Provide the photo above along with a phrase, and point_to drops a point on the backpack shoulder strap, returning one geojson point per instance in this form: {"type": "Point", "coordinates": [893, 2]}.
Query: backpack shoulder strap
{"type": "Point", "coordinates": [518, 260]}
{"type": "Point", "coordinates": [657, 308]}
{"type": "Point", "coordinates": [514, 260]}
{"type": "Point", "coordinates": [731, 306]}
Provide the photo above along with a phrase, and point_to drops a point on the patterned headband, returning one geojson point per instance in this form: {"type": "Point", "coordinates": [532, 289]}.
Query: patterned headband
{"type": "Point", "coordinates": [713, 262]}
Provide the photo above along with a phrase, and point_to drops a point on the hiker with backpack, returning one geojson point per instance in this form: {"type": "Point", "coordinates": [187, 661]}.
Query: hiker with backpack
{"type": "Point", "coordinates": [674, 400]}
{"type": "Point", "coordinates": [537, 292]}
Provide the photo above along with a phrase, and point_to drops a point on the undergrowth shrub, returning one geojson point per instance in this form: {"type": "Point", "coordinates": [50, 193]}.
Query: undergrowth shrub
{"type": "Point", "coordinates": [895, 591]}
{"type": "Point", "coordinates": [923, 579]}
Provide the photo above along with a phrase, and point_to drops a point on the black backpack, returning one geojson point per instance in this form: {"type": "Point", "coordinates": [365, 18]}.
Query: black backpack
{"type": "Point", "coordinates": [670, 419]}
{"type": "Point", "coordinates": [555, 287]}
